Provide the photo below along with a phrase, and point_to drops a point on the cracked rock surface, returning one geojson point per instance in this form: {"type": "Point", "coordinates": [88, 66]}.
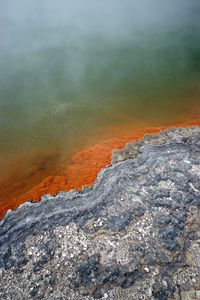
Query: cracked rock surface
{"type": "Point", "coordinates": [133, 234]}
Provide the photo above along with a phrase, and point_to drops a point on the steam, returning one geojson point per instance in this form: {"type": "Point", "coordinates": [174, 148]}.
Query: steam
{"type": "Point", "coordinates": [55, 53]}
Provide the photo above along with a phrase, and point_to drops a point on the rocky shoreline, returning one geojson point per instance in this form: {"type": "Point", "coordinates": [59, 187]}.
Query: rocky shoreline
{"type": "Point", "coordinates": [133, 234]}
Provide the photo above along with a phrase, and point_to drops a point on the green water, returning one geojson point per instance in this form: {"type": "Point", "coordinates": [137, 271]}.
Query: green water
{"type": "Point", "coordinates": [70, 68]}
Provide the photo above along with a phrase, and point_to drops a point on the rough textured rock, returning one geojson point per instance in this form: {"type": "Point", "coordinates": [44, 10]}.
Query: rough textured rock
{"type": "Point", "coordinates": [133, 234]}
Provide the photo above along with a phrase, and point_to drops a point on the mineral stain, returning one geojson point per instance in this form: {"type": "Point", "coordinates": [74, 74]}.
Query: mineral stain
{"type": "Point", "coordinates": [81, 170]}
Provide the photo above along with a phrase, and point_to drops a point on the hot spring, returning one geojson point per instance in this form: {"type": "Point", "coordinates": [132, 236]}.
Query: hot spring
{"type": "Point", "coordinates": [79, 78]}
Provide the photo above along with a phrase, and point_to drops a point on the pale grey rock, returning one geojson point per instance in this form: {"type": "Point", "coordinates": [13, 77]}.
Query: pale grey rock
{"type": "Point", "coordinates": [133, 234]}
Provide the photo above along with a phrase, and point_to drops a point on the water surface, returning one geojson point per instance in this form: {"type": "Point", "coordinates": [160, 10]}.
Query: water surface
{"type": "Point", "coordinates": [73, 73]}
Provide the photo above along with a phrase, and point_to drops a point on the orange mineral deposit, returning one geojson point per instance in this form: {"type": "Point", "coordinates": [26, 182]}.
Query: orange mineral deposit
{"type": "Point", "coordinates": [81, 170]}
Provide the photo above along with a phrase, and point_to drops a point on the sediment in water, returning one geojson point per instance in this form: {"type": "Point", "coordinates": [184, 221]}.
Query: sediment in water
{"type": "Point", "coordinates": [80, 171]}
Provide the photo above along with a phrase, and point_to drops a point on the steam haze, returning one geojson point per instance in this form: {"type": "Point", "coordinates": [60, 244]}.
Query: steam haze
{"type": "Point", "coordinates": [70, 67]}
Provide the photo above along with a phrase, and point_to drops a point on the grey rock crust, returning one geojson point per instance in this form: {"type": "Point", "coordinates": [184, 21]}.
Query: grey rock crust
{"type": "Point", "coordinates": [133, 234]}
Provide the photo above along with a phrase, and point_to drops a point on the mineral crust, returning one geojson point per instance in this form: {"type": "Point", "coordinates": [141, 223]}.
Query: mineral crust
{"type": "Point", "coordinates": [133, 234]}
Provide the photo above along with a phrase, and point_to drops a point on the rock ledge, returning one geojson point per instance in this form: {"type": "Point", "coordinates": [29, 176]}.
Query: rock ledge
{"type": "Point", "coordinates": [133, 234]}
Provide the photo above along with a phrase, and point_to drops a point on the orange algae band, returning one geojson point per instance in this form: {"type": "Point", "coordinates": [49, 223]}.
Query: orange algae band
{"type": "Point", "coordinates": [82, 170]}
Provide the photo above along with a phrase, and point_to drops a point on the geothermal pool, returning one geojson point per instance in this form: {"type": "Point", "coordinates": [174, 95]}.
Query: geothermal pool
{"type": "Point", "coordinates": [80, 78]}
